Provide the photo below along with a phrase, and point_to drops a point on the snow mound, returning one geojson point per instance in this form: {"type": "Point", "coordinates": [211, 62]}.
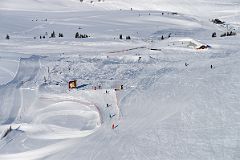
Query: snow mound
{"type": "Point", "coordinates": [189, 42]}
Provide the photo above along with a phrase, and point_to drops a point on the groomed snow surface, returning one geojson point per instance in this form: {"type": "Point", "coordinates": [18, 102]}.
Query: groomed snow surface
{"type": "Point", "coordinates": [178, 102]}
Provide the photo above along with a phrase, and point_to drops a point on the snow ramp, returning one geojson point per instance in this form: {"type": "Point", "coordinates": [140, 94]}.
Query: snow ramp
{"type": "Point", "coordinates": [10, 95]}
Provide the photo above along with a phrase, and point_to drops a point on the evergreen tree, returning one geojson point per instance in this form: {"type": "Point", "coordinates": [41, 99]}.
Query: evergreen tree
{"type": "Point", "coordinates": [169, 35]}
{"type": "Point", "coordinates": [214, 34]}
{"type": "Point", "coordinates": [7, 37]}
{"type": "Point", "coordinates": [128, 38]}
{"type": "Point", "coordinates": [77, 35]}
{"type": "Point", "coordinates": [120, 36]}
{"type": "Point", "coordinates": [53, 35]}
{"type": "Point", "coordinates": [60, 35]}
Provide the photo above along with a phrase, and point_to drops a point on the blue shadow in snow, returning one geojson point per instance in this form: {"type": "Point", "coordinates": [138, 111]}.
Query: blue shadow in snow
{"type": "Point", "coordinates": [82, 86]}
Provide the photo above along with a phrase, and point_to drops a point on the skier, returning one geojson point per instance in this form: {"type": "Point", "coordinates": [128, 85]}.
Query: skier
{"type": "Point", "coordinates": [211, 66]}
{"type": "Point", "coordinates": [114, 126]}
{"type": "Point", "coordinates": [111, 116]}
{"type": "Point", "coordinates": [121, 87]}
{"type": "Point", "coordinates": [139, 59]}
{"type": "Point", "coordinates": [107, 105]}
{"type": "Point", "coordinates": [186, 64]}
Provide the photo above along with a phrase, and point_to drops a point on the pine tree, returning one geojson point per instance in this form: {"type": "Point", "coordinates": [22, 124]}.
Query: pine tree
{"type": "Point", "coordinates": [60, 35]}
{"type": "Point", "coordinates": [53, 35]}
{"type": "Point", "coordinates": [128, 38]}
{"type": "Point", "coordinates": [7, 37]}
{"type": "Point", "coordinates": [77, 35]}
{"type": "Point", "coordinates": [169, 35]}
{"type": "Point", "coordinates": [120, 36]}
{"type": "Point", "coordinates": [214, 34]}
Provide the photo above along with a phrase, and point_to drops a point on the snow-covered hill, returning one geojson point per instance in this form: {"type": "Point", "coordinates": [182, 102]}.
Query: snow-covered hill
{"type": "Point", "coordinates": [180, 96]}
{"type": "Point", "coordinates": [42, 5]}
{"type": "Point", "coordinates": [196, 7]}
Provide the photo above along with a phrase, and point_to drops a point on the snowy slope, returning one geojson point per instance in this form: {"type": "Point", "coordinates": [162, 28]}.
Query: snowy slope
{"type": "Point", "coordinates": [196, 7]}
{"type": "Point", "coordinates": [42, 5]}
{"type": "Point", "coordinates": [173, 105]}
